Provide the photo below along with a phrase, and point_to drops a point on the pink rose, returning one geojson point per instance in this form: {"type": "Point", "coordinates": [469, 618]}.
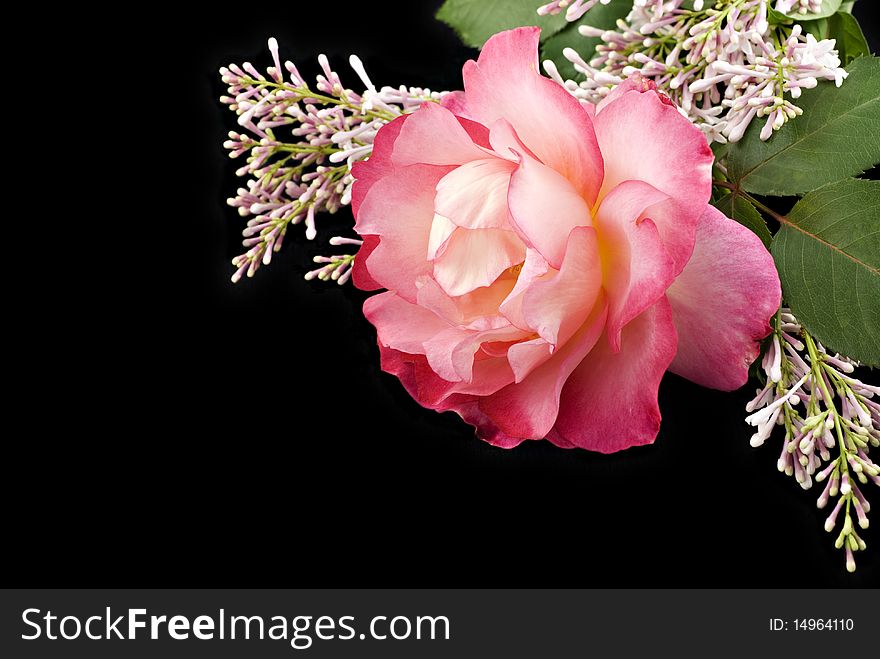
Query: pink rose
{"type": "Point", "coordinates": [546, 263]}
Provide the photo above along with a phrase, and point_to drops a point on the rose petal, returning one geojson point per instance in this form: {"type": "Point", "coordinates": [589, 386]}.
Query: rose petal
{"type": "Point", "coordinates": [504, 83]}
{"type": "Point", "coordinates": [533, 268]}
{"type": "Point", "coordinates": [544, 208]}
{"type": "Point", "coordinates": [721, 303]}
{"type": "Point", "coordinates": [474, 195]}
{"type": "Point", "coordinates": [475, 310]}
{"type": "Point", "coordinates": [530, 408]}
{"type": "Point", "coordinates": [644, 139]}
{"type": "Point", "coordinates": [634, 83]}
{"type": "Point", "coordinates": [378, 165]}
{"type": "Point", "coordinates": [476, 257]}
{"type": "Point", "coordinates": [400, 210]}
{"type": "Point", "coordinates": [452, 353]}
{"type": "Point", "coordinates": [434, 136]}
{"type": "Point", "coordinates": [506, 143]}
{"type": "Point", "coordinates": [609, 402]}
{"type": "Point", "coordinates": [638, 269]}
{"type": "Point", "coordinates": [556, 307]}
{"type": "Point", "coordinates": [359, 273]}
{"type": "Point", "coordinates": [456, 102]}
{"type": "Point", "coordinates": [402, 325]}
{"type": "Point", "coordinates": [411, 329]}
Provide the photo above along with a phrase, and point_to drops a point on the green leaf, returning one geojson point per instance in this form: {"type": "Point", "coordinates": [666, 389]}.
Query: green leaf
{"type": "Point", "coordinates": [740, 209]}
{"type": "Point", "coordinates": [837, 136]}
{"type": "Point", "coordinates": [847, 6]}
{"type": "Point", "coordinates": [777, 17]}
{"type": "Point", "coordinates": [819, 29]}
{"type": "Point", "coordinates": [828, 255]}
{"type": "Point", "coordinates": [600, 16]}
{"type": "Point", "coordinates": [829, 7]}
{"type": "Point", "coordinates": [851, 41]}
{"type": "Point", "coordinates": [476, 20]}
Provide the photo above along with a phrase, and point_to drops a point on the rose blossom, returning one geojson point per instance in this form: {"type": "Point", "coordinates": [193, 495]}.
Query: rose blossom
{"type": "Point", "coordinates": [546, 263]}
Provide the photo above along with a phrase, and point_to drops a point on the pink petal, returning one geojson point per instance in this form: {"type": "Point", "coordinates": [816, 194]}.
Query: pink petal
{"type": "Point", "coordinates": [529, 408]}
{"type": "Point", "coordinates": [474, 195]}
{"type": "Point", "coordinates": [721, 303]}
{"type": "Point", "coordinates": [434, 136]}
{"type": "Point", "coordinates": [456, 102]}
{"type": "Point", "coordinates": [526, 356]}
{"type": "Point", "coordinates": [400, 324]}
{"type": "Point", "coordinates": [644, 139]}
{"type": "Point", "coordinates": [476, 257]}
{"type": "Point", "coordinates": [556, 307]}
{"type": "Point", "coordinates": [451, 353]}
{"type": "Point", "coordinates": [634, 83]}
{"type": "Point", "coordinates": [442, 229]}
{"type": "Point", "coordinates": [475, 310]}
{"type": "Point", "coordinates": [378, 165]}
{"type": "Point", "coordinates": [478, 133]}
{"type": "Point", "coordinates": [638, 270]}
{"type": "Point", "coordinates": [610, 401]}
{"type": "Point", "coordinates": [411, 329]}
{"type": "Point", "coordinates": [417, 377]}
{"type": "Point", "coordinates": [534, 267]}
{"type": "Point", "coordinates": [506, 143]}
{"type": "Point", "coordinates": [505, 84]}
{"type": "Point", "coordinates": [470, 412]}
{"type": "Point", "coordinates": [400, 210]}
{"type": "Point", "coordinates": [544, 208]}
{"type": "Point", "coordinates": [359, 273]}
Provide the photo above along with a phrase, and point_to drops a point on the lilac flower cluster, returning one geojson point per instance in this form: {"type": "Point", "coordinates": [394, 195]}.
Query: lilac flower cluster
{"type": "Point", "coordinates": [574, 9]}
{"type": "Point", "coordinates": [798, 6]}
{"type": "Point", "coordinates": [724, 65]}
{"type": "Point", "coordinates": [831, 422]}
{"type": "Point", "coordinates": [291, 181]}
{"type": "Point", "coordinates": [337, 267]}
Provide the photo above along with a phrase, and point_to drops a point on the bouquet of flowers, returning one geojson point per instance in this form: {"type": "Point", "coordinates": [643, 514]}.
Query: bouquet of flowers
{"type": "Point", "coordinates": [550, 244]}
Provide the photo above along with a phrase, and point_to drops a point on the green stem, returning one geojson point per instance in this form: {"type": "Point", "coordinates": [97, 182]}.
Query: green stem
{"type": "Point", "coordinates": [306, 93]}
{"type": "Point", "coordinates": [745, 195]}
{"type": "Point", "coordinates": [832, 409]}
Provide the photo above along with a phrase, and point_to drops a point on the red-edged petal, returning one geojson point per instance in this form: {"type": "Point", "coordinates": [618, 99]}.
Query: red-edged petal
{"type": "Point", "coordinates": [378, 165]}
{"type": "Point", "coordinates": [504, 83]}
{"type": "Point", "coordinates": [556, 307]}
{"type": "Point", "coordinates": [400, 210]}
{"type": "Point", "coordinates": [476, 131]}
{"type": "Point", "coordinates": [530, 408]}
{"type": "Point", "coordinates": [401, 325]}
{"type": "Point", "coordinates": [609, 403]}
{"type": "Point", "coordinates": [456, 102]}
{"type": "Point", "coordinates": [506, 143]}
{"type": "Point", "coordinates": [638, 270]}
{"type": "Point", "coordinates": [722, 302]}
{"type": "Point", "coordinates": [644, 139]}
{"type": "Point", "coordinates": [434, 136]}
{"type": "Point", "coordinates": [452, 352]}
{"type": "Point", "coordinates": [359, 273]}
{"type": "Point", "coordinates": [634, 83]}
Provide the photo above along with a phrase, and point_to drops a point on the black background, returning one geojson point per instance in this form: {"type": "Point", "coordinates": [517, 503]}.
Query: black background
{"type": "Point", "coordinates": [200, 433]}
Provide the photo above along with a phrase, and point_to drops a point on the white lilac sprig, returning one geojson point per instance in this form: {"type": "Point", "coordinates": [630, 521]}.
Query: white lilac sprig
{"type": "Point", "coordinates": [802, 7]}
{"type": "Point", "coordinates": [574, 9]}
{"type": "Point", "coordinates": [723, 64]}
{"type": "Point", "coordinates": [830, 422]}
{"type": "Point", "coordinates": [337, 267]}
{"type": "Point", "coordinates": [294, 178]}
